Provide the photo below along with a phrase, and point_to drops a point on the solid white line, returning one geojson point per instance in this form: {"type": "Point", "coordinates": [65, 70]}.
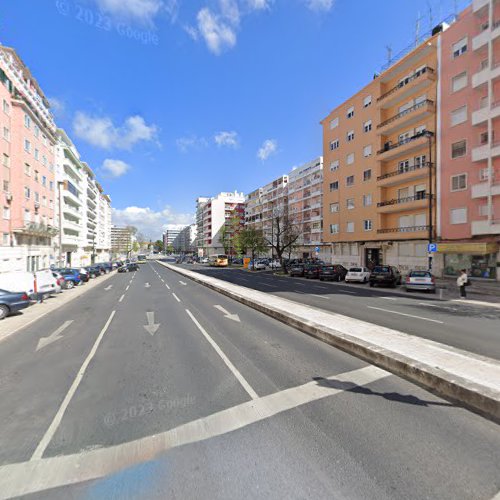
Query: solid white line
{"type": "Point", "coordinates": [121, 298]}
{"type": "Point", "coordinates": [300, 291]}
{"type": "Point", "coordinates": [320, 296]}
{"type": "Point", "coordinates": [126, 289]}
{"type": "Point", "coordinates": [167, 286]}
{"type": "Point", "coordinates": [404, 314]}
{"type": "Point", "coordinates": [346, 291]}
{"type": "Point", "coordinates": [42, 446]}
{"type": "Point", "coordinates": [130, 281]}
{"type": "Point", "coordinates": [176, 298]}
{"type": "Point", "coordinates": [268, 284]}
{"type": "Point", "coordinates": [388, 298]}
{"type": "Point", "coordinates": [226, 360]}
{"type": "Point", "coordinates": [438, 306]}
{"type": "Point", "coordinates": [300, 284]}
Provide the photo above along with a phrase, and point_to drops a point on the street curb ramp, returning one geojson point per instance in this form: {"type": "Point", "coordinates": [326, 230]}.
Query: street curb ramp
{"type": "Point", "coordinates": [468, 393]}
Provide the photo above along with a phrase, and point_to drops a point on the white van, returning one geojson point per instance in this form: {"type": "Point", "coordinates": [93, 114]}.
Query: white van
{"type": "Point", "coordinates": [46, 283]}
{"type": "Point", "coordinates": [18, 281]}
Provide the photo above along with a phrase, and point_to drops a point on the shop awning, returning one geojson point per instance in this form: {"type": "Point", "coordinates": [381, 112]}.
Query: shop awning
{"type": "Point", "coordinates": [479, 248]}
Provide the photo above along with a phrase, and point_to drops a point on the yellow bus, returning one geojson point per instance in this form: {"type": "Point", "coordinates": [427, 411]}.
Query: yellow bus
{"type": "Point", "coordinates": [219, 260]}
{"type": "Point", "coordinates": [141, 259]}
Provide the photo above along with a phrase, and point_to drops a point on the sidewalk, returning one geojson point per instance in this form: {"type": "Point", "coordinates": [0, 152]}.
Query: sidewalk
{"type": "Point", "coordinates": [477, 287]}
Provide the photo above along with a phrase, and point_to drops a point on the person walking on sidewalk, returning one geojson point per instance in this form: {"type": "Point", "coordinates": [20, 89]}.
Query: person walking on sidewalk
{"type": "Point", "coordinates": [462, 282]}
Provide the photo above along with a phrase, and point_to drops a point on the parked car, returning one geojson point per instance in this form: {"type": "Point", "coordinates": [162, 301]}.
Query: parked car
{"type": "Point", "coordinates": [127, 268]}
{"type": "Point", "coordinates": [258, 265]}
{"type": "Point", "coordinates": [93, 271]}
{"type": "Point", "coordinates": [18, 281]}
{"type": "Point", "coordinates": [237, 262]}
{"type": "Point", "coordinates": [385, 275]}
{"type": "Point", "coordinates": [312, 271]}
{"type": "Point", "coordinates": [106, 266]}
{"type": "Point", "coordinates": [84, 274]}
{"type": "Point", "coordinates": [357, 274]}
{"type": "Point", "coordinates": [420, 280]}
{"type": "Point", "coordinates": [46, 284]}
{"type": "Point", "coordinates": [275, 264]}
{"type": "Point", "coordinates": [334, 272]}
{"type": "Point", "coordinates": [12, 301]}
{"type": "Point", "coordinates": [60, 279]}
{"type": "Point", "coordinates": [297, 270]}
{"type": "Point", "coordinates": [72, 278]}
{"type": "Point", "coordinates": [204, 260]}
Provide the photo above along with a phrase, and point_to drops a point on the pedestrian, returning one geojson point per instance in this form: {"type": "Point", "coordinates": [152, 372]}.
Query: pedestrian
{"type": "Point", "coordinates": [462, 282]}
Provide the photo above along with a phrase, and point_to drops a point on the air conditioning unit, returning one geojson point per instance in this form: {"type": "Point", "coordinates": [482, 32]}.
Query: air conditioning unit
{"type": "Point", "coordinates": [8, 197]}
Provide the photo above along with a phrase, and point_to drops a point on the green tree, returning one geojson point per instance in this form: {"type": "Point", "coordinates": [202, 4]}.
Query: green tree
{"type": "Point", "coordinates": [158, 246]}
{"type": "Point", "coordinates": [136, 246]}
{"type": "Point", "coordinates": [229, 233]}
{"type": "Point", "coordinates": [252, 240]}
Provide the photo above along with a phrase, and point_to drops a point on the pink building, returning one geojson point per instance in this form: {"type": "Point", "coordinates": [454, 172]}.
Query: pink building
{"type": "Point", "coordinates": [469, 154]}
{"type": "Point", "coordinates": [27, 173]}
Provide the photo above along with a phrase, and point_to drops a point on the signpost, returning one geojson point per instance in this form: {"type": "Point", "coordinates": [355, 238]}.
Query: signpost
{"type": "Point", "coordinates": [432, 247]}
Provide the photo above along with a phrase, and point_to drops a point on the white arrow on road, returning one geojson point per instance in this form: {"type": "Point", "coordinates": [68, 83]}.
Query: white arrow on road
{"type": "Point", "coordinates": [234, 317]}
{"type": "Point", "coordinates": [151, 327]}
{"type": "Point", "coordinates": [44, 341]}
{"type": "Point", "coordinates": [182, 283]}
{"type": "Point", "coordinates": [109, 287]}
{"type": "Point", "coordinates": [147, 285]}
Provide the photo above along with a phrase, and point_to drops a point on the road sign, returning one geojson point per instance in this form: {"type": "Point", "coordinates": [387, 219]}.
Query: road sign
{"type": "Point", "coordinates": [432, 247]}
{"type": "Point", "coordinates": [317, 249]}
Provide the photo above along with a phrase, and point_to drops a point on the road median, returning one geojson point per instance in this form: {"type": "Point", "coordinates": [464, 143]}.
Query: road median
{"type": "Point", "coordinates": [471, 380]}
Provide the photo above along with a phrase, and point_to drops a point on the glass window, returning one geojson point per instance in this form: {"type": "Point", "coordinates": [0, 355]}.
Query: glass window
{"type": "Point", "coordinates": [458, 215]}
{"type": "Point", "coordinates": [349, 180]}
{"type": "Point", "coordinates": [367, 126]}
{"type": "Point", "coordinates": [459, 149]}
{"type": "Point", "coordinates": [334, 123]}
{"type": "Point", "coordinates": [350, 135]}
{"type": "Point", "coordinates": [350, 112]}
{"type": "Point", "coordinates": [367, 224]}
{"type": "Point", "coordinates": [367, 174]}
{"type": "Point", "coordinates": [459, 47]}
{"type": "Point", "coordinates": [350, 203]}
{"type": "Point", "coordinates": [459, 82]}
{"type": "Point", "coordinates": [367, 200]}
{"type": "Point", "coordinates": [334, 207]}
{"type": "Point", "coordinates": [350, 227]}
{"type": "Point", "coordinates": [459, 182]}
{"type": "Point", "coordinates": [27, 121]}
{"type": "Point", "coordinates": [367, 151]}
{"type": "Point", "coordinates": [334, 228]}
{"type": "Point", "coordinates": [334, 144]}
{"type": "Point", "coordinates": [350, 159]}
{"type": "Point", "coordinates": [334, 186]}
{"type": "Point", "coordinates": [367, 101]}
{"type": "Point", "coordinates": [334, 165]}
{"type": "Point", "coordinates": [459, 115]}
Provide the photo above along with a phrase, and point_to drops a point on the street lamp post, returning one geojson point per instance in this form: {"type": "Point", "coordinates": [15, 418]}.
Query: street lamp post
{"type": "Point", "coordinates": [272, 231]}
{"type": "Point", "coordinates": [92, 258]}
{"type": "Point", "coordinates": [429, 136]}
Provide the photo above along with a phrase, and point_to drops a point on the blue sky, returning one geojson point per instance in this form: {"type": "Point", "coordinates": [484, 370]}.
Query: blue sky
{"type": "Point", "coordinates": [168, 100]}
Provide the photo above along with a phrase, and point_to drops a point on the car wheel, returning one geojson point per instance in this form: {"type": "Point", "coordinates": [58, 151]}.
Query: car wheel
{"type": "Point", "coordinates": [372, 284]}
{"type": "Point", "coordinates": [4, 311]}
{"type": "Point", "coordinates": [365, 280]}
{"type": "Point", "coordinates": [70, 285]}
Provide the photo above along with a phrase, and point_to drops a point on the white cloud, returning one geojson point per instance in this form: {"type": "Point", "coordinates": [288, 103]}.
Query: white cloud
{"type": "Point", "coordinates": [320, 5]}
{"type": "Point", "coordinates": [217, 33]}
{"type": "Point", "coordinates": [259, 4]}
{"type": "Point", "coordinates": [57, 106]}
{"type": "Point", "coordinates": [229, 139]}
{"type": "Point", "coordinates": [102, 133]}
{"type": "Point", "coordinates": [191, 142]}
{"type": "Point", "coordinates": [139, 11]}
{"type": "Point", "coordinates": [115, 168]}
{"type": "Point", "coordinates": [229, 10]}
{"type": "Point", "coordinates": [269, 147]}
{"type": "Point", "coordinates": [149, 222]}
{"type": "Point", "coordinates": [191, 31]}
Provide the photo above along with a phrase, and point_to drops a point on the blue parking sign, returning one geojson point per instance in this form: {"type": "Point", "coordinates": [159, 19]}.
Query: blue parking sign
{"type": "Point", "coordinates": [432, 247]}
{"type": "Point", "coordinates": [317, 249]}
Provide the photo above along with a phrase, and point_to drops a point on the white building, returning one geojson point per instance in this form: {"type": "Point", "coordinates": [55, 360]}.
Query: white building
{"type": "Point", "coordinates": [171, 234]}
{"type": "Point", "coordinates": [185, 242]}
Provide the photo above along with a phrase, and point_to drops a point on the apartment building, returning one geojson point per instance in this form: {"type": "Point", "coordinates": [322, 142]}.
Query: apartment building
{"type": "Point", "coordinates": [185, 240]}
{"type": "Point", "coordinates": [305, 206]}
{"type": "Point", "coordinates": [469, 154]}
{"type": "Point", "coordinates": [171, 235]}
{"type": "Point", "coordinates": [27, 171]}
{"type": "Point", "coordinates": [103, 234]}
{"type": "Point", "coordinates": [121, 240]}
{"type": "Point", "coordinates": [378, 190]}
{"type": "Point", "coordinates": [211, 215]}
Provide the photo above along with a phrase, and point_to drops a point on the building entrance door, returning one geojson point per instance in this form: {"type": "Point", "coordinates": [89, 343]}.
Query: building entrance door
{"type": "Point", "coordinates": [373, 257]}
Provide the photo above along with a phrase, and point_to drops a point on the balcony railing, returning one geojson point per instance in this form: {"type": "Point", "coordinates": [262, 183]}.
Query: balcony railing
{"type": "Point", "coordinates": [412, 168]}
{"type": "Point", "coordinates": [405, 82]}
{"type": "Point", "coordinates": [389, 146]}
{"type": "Point", "coordinates": [408, 229]}
{"type": "Point", "coordinates": [407, 199]}
{"type": "Point", "coordinates": [406, 112]}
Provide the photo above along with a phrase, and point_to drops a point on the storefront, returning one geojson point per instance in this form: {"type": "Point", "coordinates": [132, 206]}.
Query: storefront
{"type": "Point", "coordinates": [479, 259]}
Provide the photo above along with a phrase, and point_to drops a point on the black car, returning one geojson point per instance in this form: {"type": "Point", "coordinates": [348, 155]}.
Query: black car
{"type": "Point", "coordinates": [94, 271]}
{"type": "Point", "coordinates": [385, 275]}
{"type": "Point", "coordinates": [297, 270]}
{"type": "Point", "coordinates": [127, 268]}
{"type": "Point", "coordinates": [11, 302]}
{"type": "Point", "coordinates": [312, 271]}
{"type": "Point", "coordinates": [334, 273]}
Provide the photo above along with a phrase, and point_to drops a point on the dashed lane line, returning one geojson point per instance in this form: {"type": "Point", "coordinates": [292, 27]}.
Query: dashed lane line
{"type": "Point", "coordinates": [121, 298]}
{"type": "Point", "coordinates": [176, 298]}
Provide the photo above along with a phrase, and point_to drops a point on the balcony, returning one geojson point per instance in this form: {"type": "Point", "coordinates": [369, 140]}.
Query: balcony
{"type": "Point", "coordinates": [407, 117]}
{"type": "Point", "coordinates": [403, 175]}
{"type": "Point", "coordinates": [482, 190]}
{"type": "Point", "coordinates": [477, 5]}
{"type": "Point", "coordinates": [71, 210]}
{"type": "Point", "coordinates": [391, 151]}
{"type": "Point", "coordinates": [485, 74]}
{"type": "Point", "coordinates": [486, 34]}
{"type": "Point", "coordinates": [316, 230]}
{"type": "Point", "coordinates": [481, 115]}
{"type": "Point", "coordinates": [403, 204]}
{"type": "Point", "coordinates": [408, 229]}
{"type": "Point", "coordinates": [407, 87]}
{"type": "Point", "coordinates": [482, 151]}
{"type": "Point", "coordinates": [483, 227]}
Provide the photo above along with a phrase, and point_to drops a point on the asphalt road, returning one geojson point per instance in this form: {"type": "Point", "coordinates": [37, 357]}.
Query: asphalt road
{"type": "Point", "coordinates": [161, 388]}
{"type": "Point", "coordinates": [474, 328]}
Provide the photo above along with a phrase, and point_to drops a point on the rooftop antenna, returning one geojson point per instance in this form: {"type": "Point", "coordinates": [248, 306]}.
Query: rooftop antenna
{"type": "Point", "coordinates": [389, 54]}
{"type": "Point", "coordinates": [417, 29]}
{"type": "Point", "coordinates": [431, 21]}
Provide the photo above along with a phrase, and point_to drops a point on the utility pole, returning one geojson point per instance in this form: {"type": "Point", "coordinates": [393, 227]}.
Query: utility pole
{"type": "Point", "coordinates": [429, 135]}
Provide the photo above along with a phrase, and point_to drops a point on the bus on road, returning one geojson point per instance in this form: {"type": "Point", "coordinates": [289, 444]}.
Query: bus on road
{"type": "Point", "coordinates": [220, 260]}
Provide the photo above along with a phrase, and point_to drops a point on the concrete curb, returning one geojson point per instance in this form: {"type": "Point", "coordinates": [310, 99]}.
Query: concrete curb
{"type": "Point", "coordinates": [482, 399]}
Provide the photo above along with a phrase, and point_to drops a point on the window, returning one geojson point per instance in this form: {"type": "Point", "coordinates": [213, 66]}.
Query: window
{"type": "Point", "coordinates": [36, 129]}
{"type": "Point", "coordinates": [459, 182]}
{"type": "Point", "coordinates": [44, 139]}
{"type": "Point", "coordinates": [44, 181]}
{"type": "Point", "coordinates": [367, 126]}
{"type": "Point", "coordinates": [334, 165]}
{"type": "Point", "coordinates": [350, 135]}
{"type": "Point", "coordinates": [367, 101]}
{"type": "Point", "coordinates": [350, 112]}
{"type": "Point", "coordinates": [6, 160]}
{"type": "Point", "coordinates": [334, 144]}
{"type": "Point", "coordinates": [51, 185]}
{"type": "Point", "coordinates": [420, 192]}
{"type": "Point", "coordinates": [334, 123]}
{"type": "Point", "coordinates": [51, 203]}
{"type": "Point", "coordinates": [367, 174]}
{"type": "Point", "coordinates": [334, 208]}
{"type": "Point", "coordinates": [458, 215]}
{"type": "Point", "coordinates": [484, 174]}
{"type": "Point", "coordinates": [334, 228]}
{"type": "Point", "coordinates": [27, 193]}
{"type": "Point", "coordinates": [6, 134]}
{"type": "Point", "coordinates": [349, 180]}
{"type": "Point", "coordinates": [350, 227]}
{"type": "Point", "coordinates": [27, 146]}
{"type": "Point", "coordinates": [6, 239]}
{"type": "Point", "coordinates": [403, 166]}
{"type": "Point", "coordinates": [459, 115]}
{"type": "Point", "coordinates": [27, 169]}
{"type": "Point", "coordinates": [334, 186]}
{"type": "Point", "coordinates": [367, 200]}
{"type": "Point", "coordinates": [420, 220]}
{"type": "Point", "coordinates": [405, 221]}
{"type": "Point", "coordinates": [44, 201]}
{"type": "Point", "coordinates": [44, 160]}
{"type": "Point", "coordinates": [6, 179]}
{"type": "Point", "coordinates": [27, 121]}
{"type": "Point", "coordinates": [350, 159]}
{"type": "Point", "coordinates": [460, 47]}
{"type": "Point", "coordinates": [37, 154]}
{"type": "Point", "coordinates": [459, 82]}
{"type": "Point", "coordinates": [367, 225]}
{"type": "Point", "coordinates": [459, 149]}
{"type": "Point", "coordinates": [419, 161]}
{"type": "Point", "coordinates": [6, 213]}
{"type": "Point", "coordinates": [483, 138]}
{"type": "Point", "coordinates": [367, 151]}
{"type": "Point", "coordinates": [27, 215]}
{"type": "Point", "coordinates": [6, 107]}
{"type": "Point", "coordinates": [37, 197]}
{"type": "Point", "coordinates": [483, 210]}
{"type": "Point", "coordinates": [350, 203]}
{"type": "Point", "coordinates": [36, 176]}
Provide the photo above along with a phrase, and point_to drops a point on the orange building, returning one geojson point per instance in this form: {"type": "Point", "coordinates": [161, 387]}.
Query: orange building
{"type": "Point", "coordinates": [378, 147]}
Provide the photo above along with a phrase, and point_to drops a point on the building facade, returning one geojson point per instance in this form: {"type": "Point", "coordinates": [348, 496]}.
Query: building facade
{"type": "Point", "coordinates": [121, 241]}
{"type": "Point", "coordinates": [379, 187]}
{"type": "Point", "coordinates": [185, 241]}
{"type": "Point", "coordinates": [469, 156]}
{"type": "Point", "coordinates": [171, 236]}
{"type": "Point", "coordinates": [27, 177]}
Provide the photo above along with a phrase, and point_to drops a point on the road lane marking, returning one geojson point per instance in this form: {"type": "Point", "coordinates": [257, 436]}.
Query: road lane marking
{"type": "Point", "coordinates": [322, 287]}
{"type": "Point", "coordinates": [320, 296]}
{"type": "Point", "coordinates": [54, 336]}
{"type": "Point", "coordinates": [109, 287]}
{"type": "Point", "coordinates": [49, 473]}
{"type": "Point", "coordinates": [269, 284]}
{"type": "Point", "coordinates": [347, 291]}
{"type": "Point", "coordinates": [151, 327]}
{"type": "Point", "coordinates": [49, 434]}
{"type": "Point", "coordinates": [248, 388]}
{"type": "Point", "coordinates": [228, 315]}
{"type": "Point", "coordinates": [126, 289]}
{"type": "Point", "coordinates": [438, 306]}
{"type": "Point", "coordinates": [176, 298]}
{"type": "Point", "coordinates": [388, 298]}
{"type": "Point", "coordinates": [183, 283]}
{"type": "Point", "coordinates": [404, 314]}
{"type": "Point", "coordinates": [147, 285]}
{"type": "Point", "coordinates": [121, 298]}
{"type": "Point", "coordinates": [166, 284]}
{"type": "Point", "coordinates": [300, 291]}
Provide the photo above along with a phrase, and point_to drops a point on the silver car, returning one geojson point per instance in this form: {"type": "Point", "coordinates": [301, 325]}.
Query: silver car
{"type": "Point", "coordinates": [420, 280]}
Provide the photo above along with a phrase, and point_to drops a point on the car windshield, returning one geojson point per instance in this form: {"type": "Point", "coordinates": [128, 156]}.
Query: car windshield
{"type": "Point", "coordinates": [420, 274]}
{"type": "Point", "coordinates": [356, 270]}
{"type": "Point", "coordinates": [381, 269]}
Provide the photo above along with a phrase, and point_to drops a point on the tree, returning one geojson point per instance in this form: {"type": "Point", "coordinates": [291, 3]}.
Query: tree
{"type": "Point", "coordinates": [229, 232]}
{"type": "Point", "coordinates": [170, 248]}
{"type": "Point", "coordinates": [158, 246]}
{"type": "Point", "coordinates": [252, 240]}
{"type": "Point", "coordinates": [284, 234]}
{"type": "Point", "coordinates": [135, 246]}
